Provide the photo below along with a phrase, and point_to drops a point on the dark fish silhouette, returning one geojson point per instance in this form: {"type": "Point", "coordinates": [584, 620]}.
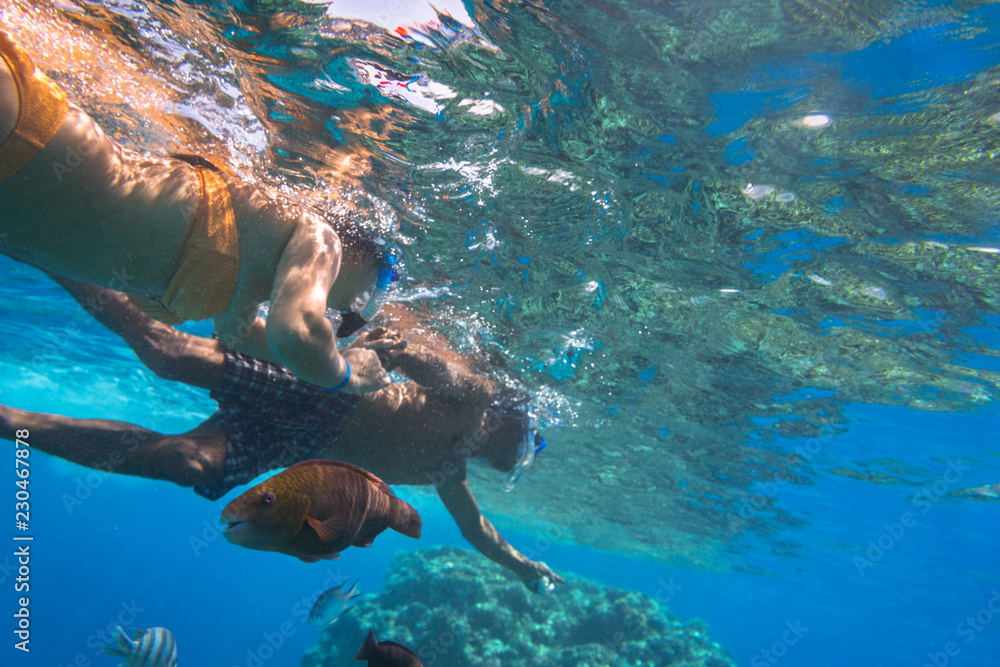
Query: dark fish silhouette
{"type": "Point", "coordinates": [386, 654]}
{"type": "Point", "coordinates": [316, 509]}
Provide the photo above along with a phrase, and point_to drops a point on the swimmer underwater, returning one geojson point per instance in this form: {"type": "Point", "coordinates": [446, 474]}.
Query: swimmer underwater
{"type": "Point", "coordinates": [420, 432]}
{"type": "Point", "coordinates": [182, 235]}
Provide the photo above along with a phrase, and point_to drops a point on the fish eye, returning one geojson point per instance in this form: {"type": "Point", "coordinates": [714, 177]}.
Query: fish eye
{"type": "Point", "coordinates": [267, 498]}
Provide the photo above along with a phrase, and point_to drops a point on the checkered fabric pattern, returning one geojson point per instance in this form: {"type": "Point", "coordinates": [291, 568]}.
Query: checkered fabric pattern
{"type": "Point", "coordinates": [272, 419]}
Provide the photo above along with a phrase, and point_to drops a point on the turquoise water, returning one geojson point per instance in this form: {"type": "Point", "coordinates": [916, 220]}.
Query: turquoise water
{"type": "Point", "coordinates": [748, 393]}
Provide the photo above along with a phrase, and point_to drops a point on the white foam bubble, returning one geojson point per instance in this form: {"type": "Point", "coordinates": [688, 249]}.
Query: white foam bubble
{"type": "Point", "coordinates": [814, 121]}
{"type": "Point", "coordinates": [757, 191]}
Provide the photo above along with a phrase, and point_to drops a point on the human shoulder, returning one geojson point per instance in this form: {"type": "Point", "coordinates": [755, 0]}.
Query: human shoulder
{"type": "Point", "coordinates": [276, 225]}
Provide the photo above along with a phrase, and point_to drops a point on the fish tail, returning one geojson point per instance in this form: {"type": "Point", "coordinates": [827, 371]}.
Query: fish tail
{"type": "Point", "coordinates": [369, 649]}
{"type": "Point", "coordinates": [123, 644]}
{"type": "Point", "coordinates": [405, 519]}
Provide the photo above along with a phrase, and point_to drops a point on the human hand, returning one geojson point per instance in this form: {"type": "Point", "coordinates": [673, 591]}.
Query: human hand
{"type": "Point", "coordinates": [367, 373]}
{"type": "Point", "coordinates": [387, 343]}
{"type": "Point", "coordinates": [539, 578]}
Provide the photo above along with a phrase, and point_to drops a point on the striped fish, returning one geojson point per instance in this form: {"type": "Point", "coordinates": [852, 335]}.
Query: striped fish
{"type": "Point", "coordinates": [154, 647]}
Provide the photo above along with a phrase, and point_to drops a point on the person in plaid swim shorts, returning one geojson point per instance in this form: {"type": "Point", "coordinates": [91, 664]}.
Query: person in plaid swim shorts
{"type": "Point", "coordinates": [421, 432]}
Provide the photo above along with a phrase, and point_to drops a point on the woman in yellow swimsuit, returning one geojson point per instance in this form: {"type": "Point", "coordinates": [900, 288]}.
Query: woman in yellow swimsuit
{"type": "Point", "coordinates": [181, 235]}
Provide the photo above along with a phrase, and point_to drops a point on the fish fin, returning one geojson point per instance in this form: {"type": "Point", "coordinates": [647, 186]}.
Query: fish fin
{"type": "Point", "coordinates": [334, 619]}
{"type": "Point", "coordinates": [399, 646]}
{"type": "Point", "coordinates": [328, 530]}
{"type": "Point", "coordinates": [369, 649]}
{"type": "Point", "coordinates": [406, 520]}
{"type": "Point", "coordinates": [382, 486]}
{"type": "Point", "coordinates": [123, 644]}
{"type": "Point", "coordinates": [317, 621]}
{"type": "Point", "coordinates": [309, 559]}
{"type": "Point", "coordinates": [366, 539]}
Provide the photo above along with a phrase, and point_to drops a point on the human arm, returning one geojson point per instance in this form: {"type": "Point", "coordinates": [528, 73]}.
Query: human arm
{"type": "Point", "coordinates": [297, 330]}
{"type": "Point", "coordinates": [169, 353]}
{"type": "Point", "coordinates": [445, 372]}
{"type": "Point", "coordinates": [477, 529]}
{"type": "Point", "coordinates": [243, 330]}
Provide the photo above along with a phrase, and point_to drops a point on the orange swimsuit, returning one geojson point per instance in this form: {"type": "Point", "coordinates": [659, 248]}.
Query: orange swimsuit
{"type": "Point", "coordinates": [41, 109]}
{"type": "Point", "coordinates": [205, 280]}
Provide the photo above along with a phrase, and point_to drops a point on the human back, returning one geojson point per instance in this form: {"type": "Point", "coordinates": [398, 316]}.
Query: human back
{"type": "Point", "coordinates": [183, 236]}
{"type": "Point", "coordinates": [406, 433]}
{"type": "Point", "coordinates": [113, 219]}
{"type": "Point", "coordinates": [88, 209]}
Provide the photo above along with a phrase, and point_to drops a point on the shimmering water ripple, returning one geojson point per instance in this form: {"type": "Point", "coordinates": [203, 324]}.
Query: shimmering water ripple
{"type": "Point", "coordinates": [693, 230]}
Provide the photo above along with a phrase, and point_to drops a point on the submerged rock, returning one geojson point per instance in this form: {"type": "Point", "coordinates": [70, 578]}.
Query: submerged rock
{"type": "Point", "coordinates": [455, 609]}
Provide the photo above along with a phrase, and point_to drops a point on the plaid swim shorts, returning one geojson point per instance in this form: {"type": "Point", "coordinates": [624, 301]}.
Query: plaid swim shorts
{"type": "Point", "coordinates": [271, 419]}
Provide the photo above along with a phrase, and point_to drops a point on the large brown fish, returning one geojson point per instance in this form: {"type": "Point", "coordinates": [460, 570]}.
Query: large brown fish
{"type": "Point", "coordinates": [316, 509]}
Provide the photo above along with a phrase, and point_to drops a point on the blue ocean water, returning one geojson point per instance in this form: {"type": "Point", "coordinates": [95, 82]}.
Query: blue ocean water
{"type": "Point", "coordinates": [112, 550]}
{"type": "Point", "coordinates": [876, 563]}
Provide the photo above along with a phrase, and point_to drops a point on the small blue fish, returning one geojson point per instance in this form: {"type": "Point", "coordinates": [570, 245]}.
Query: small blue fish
{"type": "Point", "coordinates": [332, 604]}
{"type": "Point", "coordinates": [154, 647]}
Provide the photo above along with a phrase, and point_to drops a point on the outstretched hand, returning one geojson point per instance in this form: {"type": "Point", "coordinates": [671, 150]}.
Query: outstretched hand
{"type": "Point", "coordinates": [539, 578]}
{"type": "Point", "coordinates": [386, 343]}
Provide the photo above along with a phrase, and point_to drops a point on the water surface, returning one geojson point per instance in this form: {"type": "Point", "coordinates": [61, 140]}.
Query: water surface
{"type": "Point", "coordinates": [745, 254]}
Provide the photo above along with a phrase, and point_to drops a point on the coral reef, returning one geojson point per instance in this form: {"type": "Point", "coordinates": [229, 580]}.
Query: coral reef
{"type": "Point", "coordinates": [453, 608]}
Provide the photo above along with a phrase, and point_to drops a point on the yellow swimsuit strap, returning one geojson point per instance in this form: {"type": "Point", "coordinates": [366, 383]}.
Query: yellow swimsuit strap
{"type": "Point", "coordinates": [42, 106]}
{"type": "Point", "coordinates": [204, 282]}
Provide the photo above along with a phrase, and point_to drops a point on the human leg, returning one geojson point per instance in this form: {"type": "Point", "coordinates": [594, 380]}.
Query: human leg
{"type": "Point", "coordinates": [187, 459]}
{"type": "Point", "coordinates": [171, 354]}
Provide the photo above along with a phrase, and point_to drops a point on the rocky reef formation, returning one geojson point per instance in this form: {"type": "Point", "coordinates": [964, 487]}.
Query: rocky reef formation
{"type": "Point", "coordinates": [455, 609]}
